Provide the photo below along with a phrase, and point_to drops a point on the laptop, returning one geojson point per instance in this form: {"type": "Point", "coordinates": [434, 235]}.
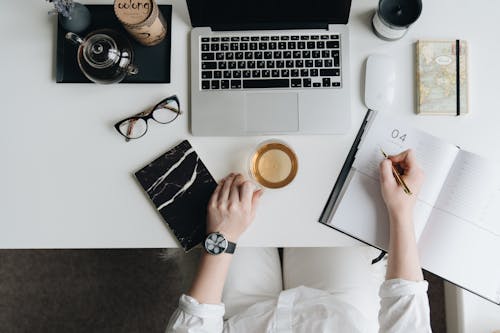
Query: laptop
{"type": "Point", "coordinates": [269, 67]}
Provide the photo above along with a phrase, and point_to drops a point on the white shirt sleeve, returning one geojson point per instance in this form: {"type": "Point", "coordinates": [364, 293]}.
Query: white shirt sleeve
{"type": "Point", "coordinates": [193, 317]}
{"type": "Point", "coordinates": [404, 307]}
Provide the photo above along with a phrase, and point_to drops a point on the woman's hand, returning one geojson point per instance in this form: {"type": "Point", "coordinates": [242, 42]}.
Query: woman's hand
{"type": "Point", "coordinates": [399, 204]}
{"type": "Point", "coordinates": [231, 208]}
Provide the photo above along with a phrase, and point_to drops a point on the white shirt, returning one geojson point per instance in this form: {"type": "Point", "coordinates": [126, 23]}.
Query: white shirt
{"type": "Point", "coordinates": [404, 308]}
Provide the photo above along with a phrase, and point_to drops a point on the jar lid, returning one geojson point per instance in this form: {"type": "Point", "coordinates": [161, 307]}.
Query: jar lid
{"type": "Point", "coordinates": [101, 51]}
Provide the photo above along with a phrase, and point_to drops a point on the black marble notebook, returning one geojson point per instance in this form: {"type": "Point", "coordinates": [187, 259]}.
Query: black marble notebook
{"type": "Point", "coordinates": [180, 187]}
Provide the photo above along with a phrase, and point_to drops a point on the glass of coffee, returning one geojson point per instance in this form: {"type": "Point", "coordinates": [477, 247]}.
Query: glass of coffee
{"type": "Point", "coordinates": [273, 164]}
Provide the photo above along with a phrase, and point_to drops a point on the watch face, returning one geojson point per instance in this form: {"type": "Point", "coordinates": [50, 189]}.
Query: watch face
{"type": "Point", "coordinates": [215, 243]}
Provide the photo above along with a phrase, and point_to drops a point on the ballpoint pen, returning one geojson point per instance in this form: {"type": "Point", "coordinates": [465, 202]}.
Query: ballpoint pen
{"type": "Point", "coordinates": [396, 174]}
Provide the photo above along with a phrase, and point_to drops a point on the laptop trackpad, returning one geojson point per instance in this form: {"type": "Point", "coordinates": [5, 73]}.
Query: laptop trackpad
{"type": "Point", "coordinates": [272, 112]}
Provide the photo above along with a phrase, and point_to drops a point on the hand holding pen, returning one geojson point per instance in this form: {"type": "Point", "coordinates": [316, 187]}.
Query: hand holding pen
{"type": "Point", "coordinates": [401, 178]}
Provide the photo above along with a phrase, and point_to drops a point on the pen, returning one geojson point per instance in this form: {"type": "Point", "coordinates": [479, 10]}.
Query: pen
{"type": "Point", "coordinates": [396, 174]}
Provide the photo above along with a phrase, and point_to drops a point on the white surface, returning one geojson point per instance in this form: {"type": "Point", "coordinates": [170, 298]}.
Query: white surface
{"type": "Point", "coordinates": [380, 82]}
{"type": "Point", "coordinates": [67, 175]}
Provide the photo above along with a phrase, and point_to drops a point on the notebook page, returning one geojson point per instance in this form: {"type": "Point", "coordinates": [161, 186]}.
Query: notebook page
{"type": "Point", "coordinates": [433, 154]}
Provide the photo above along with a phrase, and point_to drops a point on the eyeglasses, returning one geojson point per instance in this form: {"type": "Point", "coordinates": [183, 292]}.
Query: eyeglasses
{"type": "Point", "coordinates": [136, 126]}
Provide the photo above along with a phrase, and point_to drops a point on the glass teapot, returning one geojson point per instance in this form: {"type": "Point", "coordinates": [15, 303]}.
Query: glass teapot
{"type": "Point", "coordinates": [104, 56]}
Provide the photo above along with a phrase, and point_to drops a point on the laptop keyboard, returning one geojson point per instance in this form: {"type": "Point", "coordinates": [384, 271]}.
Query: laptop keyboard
{"type": "Point", "coordinates": [279, 61]}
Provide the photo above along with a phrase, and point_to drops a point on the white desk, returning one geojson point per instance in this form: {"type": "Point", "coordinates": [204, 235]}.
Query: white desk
{"type": "Point", "coordinates": [67, 175]}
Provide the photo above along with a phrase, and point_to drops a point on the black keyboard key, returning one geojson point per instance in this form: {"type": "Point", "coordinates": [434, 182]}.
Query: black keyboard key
{"type": "Point", "coordinates": [214, 47]}
{"type": "Point", "coordinates": [238, 55]}
{"type": "Point", "coordinates": [320, 45]}
{"type": "Point", "coordinates": [235, 39]}
{"type": "Point", "coordinates": [326, 82]}
{"type": "Point", "coordinates": [275, 38]}
{"type": "Point", "coordinates": [306, 83]}
{"type": "Point", "coordinates": [318, 63]}
{"type": "Point", "coordinates": [277, 54]}
{"type": "Point", "coordinates": [325, 54]}
{"type": "Point", "coordinates": [272, 46]}
{"type": "Point", "coordinates": [304, 37]}
{"type": "Point", "coordinates": [299, 63]}
{"type": "Point", "coordinates": [328, 63]}
{"type": "Point", "coordinates": [335, 84]}
{"type": "Point", "coordinates": [314, 72]}
{"type": "Point", "coordinates": [207, 56]}
{"type": "Point", "coordinates": [244, 46]}
{"type": "Point", "coordinates": [316, 85]}
{"type": "Point", "coordinates": [332, 44]}
{"type": "Point", "coordinates": [268, 55]}
{"type": "Point", "coordinates": [301, 45]}
{"type": "Point", "coordinates": [297, 54]}
{"type": "Point", "coordinates": [264, 38]}
{"type": "Point", "coordinates": [206, 74]}
{"type": "Point", "coordinates": [295, 73]}
{"type": "Point", "coordinates": [219, 55]}
{"type": "Point", "coordinates": [334, 37]}
{"type": "Point", "coordinates": [261, 64]}
{"type": "Point", "coordinates": [236, 74]}
{"type": "Point", "coordinates": [257, 55]}
{"type": "Point", "coordinates": [285, 38]}
{"type": "Point", "coordinates": [222, 65]}
{"type": "Point", "coordinates": [295, 37]}
{"type": "Point", "coordinates": [224, 84]}
{"type": "Point", "coordinates": [215, 84]}
{"type": "Point", "coordinates": [324, 37]}
{"type": "Point", "coordinates": [296, 83]}
{"type": "Point", "coordinates": [251, 64]}
{"type": "Point", "coordinates": [275, 73]}
{"type": "Point", "coordinates": [287, 54]}
{"type": "Point", "coordinates": [229, 56]}
{"type": "Point", "coordinates": [269, 83]}
{"type": "Point", "coordinates": [217, 74]}
{"type": "Point", "coordinates": [316, 54]}
{"type": "Point", "coordinates": [224, 47]}
{"type": "Point", "coordinates": [256, 73]}
{"type": "Point", "coordinates": [254, 38]}
{"type": "Point", "coordinates": [262, 46]}
{"type": "Point", "coordinates": [234, 46]}
{"type": "Point", "coordinates": [205, 47]}
{"type": "Point", "coordinates": [282, 45]}
{"type": "Point", "coordinates": [231, 64]}
{"type": "Point", "coordinates": [289, 64]}
{"type": "Point", "coordinates": [285, 73]}
{"type": "Point", "coordinates": [311, 45]}
{"type": "Point", "coordinates": [242, 64]}
{"type": "Point", "coordinates": [309, 63]}
{"type": "Point", "coordinates": [205, 39]}
{"type": "Point", "coordinates": [329, 72]}
{"type": "Point", "coordinates": [253, 46]}
{"type": "Point", "coordinates": [215, 39]}
{"type": "Point", "coordinates": [270, 64]}
{"type": "Point", "coordinates": [280, 64]}
{"type": "Point", "coordinates": [306, 54]}
{"type": "Point", "coordinates": [247, 74]}
{"type": "Point", "coordinates": [205, 84]}
{"type": "Point", "coordinates": [235, 84]}
{"type": "Point", "coordinates": [224, 39]}
{"type": "Point", "coordinates": [304, 72]}
{"type": "Point", "coordinates": [292, 45]}
{"type": "Point", "coordinates": [248, 55]}
{"type": "Point", "coordinates": [245, 39]}
{"type": "Point", "coordinates": [209, 65]}
{"type": "Point", "coordinates": [266, 73]}
{"type": "Point", "coordinates": [227, 74]}
{"type": "Point", "coordinates": [315, 37]}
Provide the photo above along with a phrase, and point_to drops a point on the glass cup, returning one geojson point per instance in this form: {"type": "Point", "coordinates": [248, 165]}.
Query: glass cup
{"type": "Point", "coordinates": [273, 164]}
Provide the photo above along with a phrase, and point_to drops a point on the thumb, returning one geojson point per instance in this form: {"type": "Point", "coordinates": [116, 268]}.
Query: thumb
{"type": "Point", "coordinates": [386, 177]}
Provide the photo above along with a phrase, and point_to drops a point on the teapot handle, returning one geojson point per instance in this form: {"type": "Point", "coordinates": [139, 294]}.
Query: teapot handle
{"type": "Point", "coordinates": [77, 40]}
{"type": "Point", "coordinates": [132, 69]}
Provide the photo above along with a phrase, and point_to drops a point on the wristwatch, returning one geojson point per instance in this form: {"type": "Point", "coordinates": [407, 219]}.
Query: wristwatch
{"type": "Point", "coordinates": [216, 243]}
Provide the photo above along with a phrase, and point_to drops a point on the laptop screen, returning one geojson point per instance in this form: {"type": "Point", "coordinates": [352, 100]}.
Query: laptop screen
{"type": "Point", "coordinates": [267, 14]}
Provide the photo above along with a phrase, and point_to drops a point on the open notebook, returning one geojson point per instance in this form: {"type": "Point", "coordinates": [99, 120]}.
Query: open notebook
{"type": "Point", "coordinates": [457, 216]}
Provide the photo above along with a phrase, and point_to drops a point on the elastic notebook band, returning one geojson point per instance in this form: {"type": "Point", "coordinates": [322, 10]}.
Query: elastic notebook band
{"type": "Point", "coordinates": [457, 51]}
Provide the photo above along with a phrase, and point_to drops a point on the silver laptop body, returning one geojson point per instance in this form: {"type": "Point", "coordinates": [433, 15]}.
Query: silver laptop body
{"type": "Point", "coordinates": [279, 100]}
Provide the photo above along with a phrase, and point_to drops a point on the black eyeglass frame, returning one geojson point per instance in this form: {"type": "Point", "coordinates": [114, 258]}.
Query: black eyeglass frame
{"type": "Point", "coordinates": [149, 115]}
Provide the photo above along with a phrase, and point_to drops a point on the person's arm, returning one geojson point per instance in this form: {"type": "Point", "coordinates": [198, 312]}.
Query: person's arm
{"type": "Point", "coordinates": [404, 305]}
{"type": "Point", "coordinates": [230, 211]}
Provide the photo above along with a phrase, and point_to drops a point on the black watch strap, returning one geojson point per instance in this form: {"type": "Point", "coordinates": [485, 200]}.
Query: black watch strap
{"type": "Point", "coordinates": [230, 247]}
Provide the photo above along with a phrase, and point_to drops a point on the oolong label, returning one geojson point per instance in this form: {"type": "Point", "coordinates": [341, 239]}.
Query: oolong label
{"type": "Point", "coordinates": [133, 11]}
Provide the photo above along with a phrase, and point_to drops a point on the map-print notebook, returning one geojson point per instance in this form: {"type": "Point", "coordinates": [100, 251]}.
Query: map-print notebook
{"type": "Point", "coordinates": [442, 79]}
{"type": "Point", "coordinates": [180, 186]}
{"type": "Point", "coordinates": [456, 217]}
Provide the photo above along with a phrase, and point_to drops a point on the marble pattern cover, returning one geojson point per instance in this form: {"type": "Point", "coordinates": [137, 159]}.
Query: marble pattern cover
{"type": "Point", "coordinates": [180, 186]}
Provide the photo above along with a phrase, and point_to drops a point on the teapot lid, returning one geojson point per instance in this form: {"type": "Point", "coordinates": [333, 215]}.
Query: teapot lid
{"type": "Point", "coordinates": [100, 51]}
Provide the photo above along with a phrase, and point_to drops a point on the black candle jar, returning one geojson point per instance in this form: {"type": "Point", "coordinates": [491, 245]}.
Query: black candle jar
{"type": "Point", "coordinates": [393, 17]}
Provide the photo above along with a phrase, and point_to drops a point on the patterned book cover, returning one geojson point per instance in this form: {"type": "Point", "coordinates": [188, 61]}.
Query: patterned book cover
{"type": "Point", "coordinates": [180, 186]}
{"type": "Point", "coordinates": [442, 79]}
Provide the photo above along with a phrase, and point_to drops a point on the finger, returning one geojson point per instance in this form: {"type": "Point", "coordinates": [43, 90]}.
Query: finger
{"type": "Point", "coordinates": [246, 192]}
{"type": "Point", "coordinates": [386, 176]}
{"type": "Point", "coordinates": [234, 193]}
{"type": "Point", "coordinates": [407, 160]}
{"type": "Point", "coordinates": [399, 158]}
{"type": "Point", "coordinates": [256, 198]}
{"type": "Point", "coordinates": [215, 194]}
{"type": "Point", "coordinates": [224, 193]}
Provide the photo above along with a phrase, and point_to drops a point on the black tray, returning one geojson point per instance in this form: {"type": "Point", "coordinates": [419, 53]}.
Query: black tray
{"type": "Point", "coordinates": [153, 61]}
